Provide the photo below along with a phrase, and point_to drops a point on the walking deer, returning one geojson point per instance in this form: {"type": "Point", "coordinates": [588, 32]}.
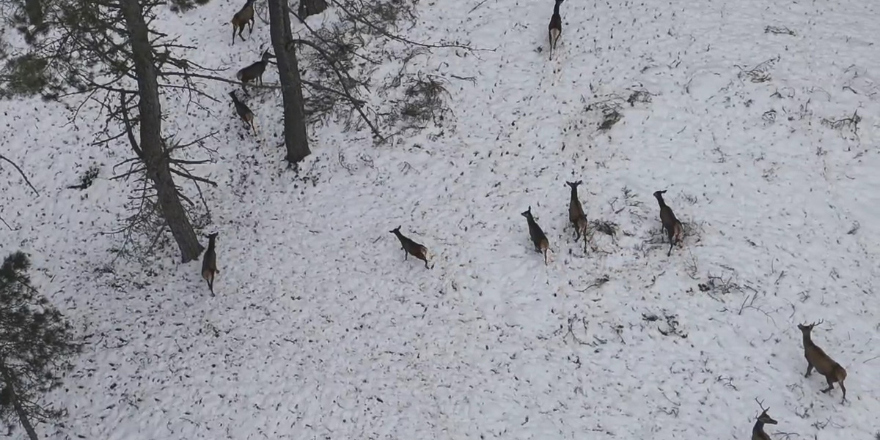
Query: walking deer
{"type": "Point", "coordinates": [411, 247]}
{"type": "Point", "coordinates": [673, 228]}
{"type": "Point", "coordinates": [244, 112]}
{"type": "Point", "coordinates": [209, 262]}
{"type": "Point", "coordinates": [241, 18]}
{"type": "Point", "coordinates": [555, 27]}
{"type": "Point", "coordinates": [542, 245]}
{"type": "Point", "coordinates": [576, 213]}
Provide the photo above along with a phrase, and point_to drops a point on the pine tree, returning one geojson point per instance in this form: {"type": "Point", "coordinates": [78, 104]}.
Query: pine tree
{"type": "Point", "coordinates": [36, 345]}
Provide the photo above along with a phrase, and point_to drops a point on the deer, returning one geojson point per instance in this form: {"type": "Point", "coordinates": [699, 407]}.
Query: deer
{"type": "Point", "coordinates": [411, 247]}
{"type": "Point", "coordinates": [758, 430]}
{"type": "Point", "coordinates": [254, 71]}
{"type": "Point", "coordinates": [555, 27]}
{"type": "Point", "coordinates": [576, 213]}
{"type": "Point", "coordinates": [241, 18]}
{"type": "Point", "coordinates": [537, 235]}
{"type": "Point", "coordinates": [244, 112]}
{"type": "Point", "coordinates": [670, 224]}
{"type": "Point", "coordinates": [209, 262]}
{"type": "Point", "coordinates": [816, 358]}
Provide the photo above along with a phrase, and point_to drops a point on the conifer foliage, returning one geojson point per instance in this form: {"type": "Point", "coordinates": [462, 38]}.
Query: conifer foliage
{"type": "Point", "coordinates": [36, 346]}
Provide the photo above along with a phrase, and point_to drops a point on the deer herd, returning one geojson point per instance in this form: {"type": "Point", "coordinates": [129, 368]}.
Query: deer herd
{"type": "Point", "coordinates": [252, 73]}
{"type": "Point", "coordinates": [816, 358]}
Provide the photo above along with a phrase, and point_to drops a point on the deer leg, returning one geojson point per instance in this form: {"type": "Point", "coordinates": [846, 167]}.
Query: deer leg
{"type": "Point", "coordinates": [671, 244]}
{"type": "Point", "coordinates": [426, 264]}
{"type": "Point", "coordinates": [809, 369]}
{"type": "Point", "coordinates": [830, 385]}
{"type": "Point", "coordinates": [252, 27]}
{"type": "Point", "coordinates": [844, 392]}
{"type": "Point", "coordinates": [545, 257]}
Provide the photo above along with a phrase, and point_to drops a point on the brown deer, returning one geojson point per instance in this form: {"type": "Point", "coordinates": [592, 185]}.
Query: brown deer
{"type": "Point", "coordinates": [816, 358]}
{"type": "Point", "coordinates": [555, 27]}
{"type": "Point", "coordinates": [209, 263]}
{"type": "Point", "coordinates": [244, 112]}
{"type": "Point", "coordinates": [671, 224]}
{"type": "Point", "coordinates": [758, 431]}
{"type": "Point", "coordinates": [254, 71]}
{"type": "Point", "coordinates": [576, 213]}
{"type": "Point", "coordinates": [411, 248]}
{"type": "Point", "coordinates": [542, 245]}
{"type": "Point", "coordinates": [241, 18]}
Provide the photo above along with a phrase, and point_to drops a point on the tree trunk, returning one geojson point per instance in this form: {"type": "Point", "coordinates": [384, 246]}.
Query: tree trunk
{"type": "Point", "coordinates": [295, 137]}
{"type": "Point", "coordinates": [19, 410]}
{"type": "Point", "coordinates": [311, 7]}
{"type": "Point", "coordinates": [152, 144]}
{"type": "Point", "coordinates": [34, 11]}
{"type": "Point", "coordinates": [23, 417]}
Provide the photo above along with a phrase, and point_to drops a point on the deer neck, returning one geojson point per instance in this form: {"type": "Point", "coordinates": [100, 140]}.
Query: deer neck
{"type": "Point", "coordinates": [808, 341]}
{"type": "Point", "coordinates": [556, 7]}
{"type": "Point", "coordinates": [660, 201]}
{"type": "Point", "coordinates": [759, 428]}
{"type": "Point", "coordinates": [574, 196]}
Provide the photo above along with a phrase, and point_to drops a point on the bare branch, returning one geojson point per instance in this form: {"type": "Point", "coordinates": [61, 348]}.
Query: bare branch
{"type": "Point", "coordinates": [23, 176]}
{"type": "Point", "coordinates": [7, 224]}
{"type": "Point", "coordinates": [186, 174]}
{"type": "Point", "coordinates": [387, 34]}
{"type": "Point", "coordinates": [342, 82]}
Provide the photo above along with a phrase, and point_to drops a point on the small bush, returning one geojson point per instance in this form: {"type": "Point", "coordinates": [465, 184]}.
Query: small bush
{"type": "Point", "coordinates": [425, 100]}
{"type": "Point", "coordinates": [186, 5]}
{"type": "Point", "coordinates": [87, 178]}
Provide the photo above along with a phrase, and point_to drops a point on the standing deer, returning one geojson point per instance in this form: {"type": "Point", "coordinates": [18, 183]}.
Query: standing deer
{"type": "Point", "coordinates": [671, 224]}
{"type": "Point", "coordinates": [576, 213]}
{"type": "Point", "coordinates": [209, 263]}
{"type": "Point", "coordinates": [555, 27]}
{"type": "Point", "coordinates": [241, 18]}
{"type": "Point", "coordinates": [254, 71]}
{"type": "Point", "coordinates": [758, 431]}
{"type": "Point", "coordinates": [411, 248]}
{"type": "Point", "coordinates": [542, 245]}
{"type": "Point", "coordinates": [816, 358]}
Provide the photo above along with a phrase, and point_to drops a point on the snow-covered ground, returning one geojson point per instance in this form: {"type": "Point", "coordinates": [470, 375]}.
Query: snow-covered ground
{"type": "Point", "coordinates": [320, 330]}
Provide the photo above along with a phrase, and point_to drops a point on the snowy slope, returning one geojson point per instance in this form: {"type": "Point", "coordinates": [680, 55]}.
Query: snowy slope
{"type": "Point", "coordinates": [320, 330]}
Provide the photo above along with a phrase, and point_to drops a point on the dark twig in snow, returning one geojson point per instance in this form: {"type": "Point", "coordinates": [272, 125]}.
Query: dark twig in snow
{"type": "Point", "coordinates": [23, 175]}
{"type": "Point", "coordinates": [779, 30]}
{"type": "Point", "coordinates": [598, 282]}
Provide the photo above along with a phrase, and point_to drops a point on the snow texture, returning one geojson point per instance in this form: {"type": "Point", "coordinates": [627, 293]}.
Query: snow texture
{"type": "Point", "coordinates": [321, 330]}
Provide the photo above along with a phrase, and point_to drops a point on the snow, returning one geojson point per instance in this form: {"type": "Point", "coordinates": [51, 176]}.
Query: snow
{"type": "Point", "coordinates": [321, 330]}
